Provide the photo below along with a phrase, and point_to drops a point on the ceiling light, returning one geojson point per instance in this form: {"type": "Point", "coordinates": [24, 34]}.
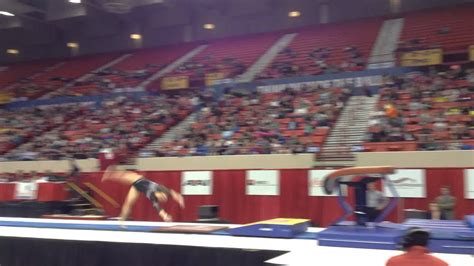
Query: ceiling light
{"type": "Point", "coordinates": [12, 51]}
{"type": "Point", "coordinates": [75, 1]}
{"type": "Point", "coordinates": [135, 36]}
{"type": "Point", "coordinates": [209, 26]}
{"type": "Point", "coordinates": [72, 44]}
{"type": "Point", "coordinates": [294, 14]}
{"type": "Point", "coordinates": [5, 13]}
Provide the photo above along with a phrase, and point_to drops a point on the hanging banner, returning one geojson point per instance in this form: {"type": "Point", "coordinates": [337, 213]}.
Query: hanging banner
{"type": "Point", "coordinates": [469, 183]}
{"type": "Point", "coordinates": [175, 83]}
{"type": "Point", "coordinates": [422, 58]}
{"type": "Point", "coordinates": [214, 78]}
{"type": "Point", "coordinates": [471, 52]}
{"type": "Point", "coordinates": [196, 183]}
{"type": "Point", "coordinates": [5, 97]}
{"type": "Point", "coordinates": [409, 183]}
{"type": "Point", "coordinates": [263, 182]}
{"type": "Point", "coordinates": [26, 190]}
{"type": "Point", "coordinates": [316, 182]}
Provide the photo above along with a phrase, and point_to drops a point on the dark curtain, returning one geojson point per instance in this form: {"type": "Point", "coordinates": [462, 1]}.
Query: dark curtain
{"type": "Point", "coordinates": [44, 252]}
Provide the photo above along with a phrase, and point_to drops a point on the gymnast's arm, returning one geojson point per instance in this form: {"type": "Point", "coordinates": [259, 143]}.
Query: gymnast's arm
{"type": "Point", "coordinates": [161, 212]}
{"type": "Point", "coordinates": [177, 197]}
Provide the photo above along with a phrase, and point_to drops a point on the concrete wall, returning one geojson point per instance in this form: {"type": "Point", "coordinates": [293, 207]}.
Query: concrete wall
{"type": "Point", "coordinates": [274, 161]}
{"type": "Point", "coordinates": [422, 159]}
{"type": "Point", "coordinates": [89, 165]}
{"type": "Point", "coordinates": [432, 159]}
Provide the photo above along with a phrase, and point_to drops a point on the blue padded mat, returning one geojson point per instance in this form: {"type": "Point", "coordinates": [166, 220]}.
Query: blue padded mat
{"type": "Point", "coordinates": [360, 233]}
{"type": "Point", "coordinates": [456, 239]}
{"type": "Point", "coordinates": [470, 221]}
{"type": "Point", "coordinates": [109, 227]}
{"type": "Point", "coordinates": [360, 237]}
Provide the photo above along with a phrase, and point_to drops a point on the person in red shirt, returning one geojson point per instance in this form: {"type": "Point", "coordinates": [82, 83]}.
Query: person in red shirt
{"type": "Point", "coordinates": [415, 245]}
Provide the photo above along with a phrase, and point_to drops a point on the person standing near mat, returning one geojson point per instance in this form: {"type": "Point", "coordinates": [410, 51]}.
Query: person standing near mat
{"type": "Point", "coordinates": [446, 203]}
{"type": "Point", "coordinates": [156, 193]}
{"type": "Point", "coordinates": [415, 244]}
{"type": "Point", "coordinates": [376, 202]}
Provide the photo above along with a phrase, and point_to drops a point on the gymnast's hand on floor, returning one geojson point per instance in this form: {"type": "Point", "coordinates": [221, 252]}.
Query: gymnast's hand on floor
{"type": "Point", "coordinates": [165, 216]}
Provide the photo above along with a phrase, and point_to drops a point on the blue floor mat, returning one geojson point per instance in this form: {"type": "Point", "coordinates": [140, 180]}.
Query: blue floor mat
{"type": "Point", "coordinates": [109, 227]}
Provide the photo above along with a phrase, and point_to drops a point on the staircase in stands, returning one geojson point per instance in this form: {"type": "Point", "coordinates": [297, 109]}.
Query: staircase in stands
{"type": "Point", "coordinates": [386, 43]}
{"type": "Point", "coordinates": [265, 60]}
{"type": "Point", "coordinates": [348, 132]}
{"type": "Point", "coordinates": [175, 132]}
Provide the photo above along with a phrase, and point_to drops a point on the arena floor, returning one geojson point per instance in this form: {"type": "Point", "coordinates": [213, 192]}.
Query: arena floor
{"type": "Point", "coordinates": [299, 251]}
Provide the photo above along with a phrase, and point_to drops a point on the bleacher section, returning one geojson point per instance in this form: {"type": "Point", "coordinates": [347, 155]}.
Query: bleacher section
{"type": "Point", "coordinates": [57, 76]}
{"type": "Point", "coordinates": [325, 43]}
{"type": "Point", "coordinates": [20, 126]}
{"type": "Point", "coordinates": [416, 111]}
{"type": "Point", "coordinates": [290, 121]}
{"type": "Point", "coordinates": [425, 113]}
{"type": "Point", "coordinates": [17, 72]}
{"type": "Point", "coordinates": [122, 124]}
{"type": "Point", "coordinates": [131, 71]}
{"type": "Point", "coordinates": [450, 28]}
{"type": "Point", "coordinates": [229, 57]}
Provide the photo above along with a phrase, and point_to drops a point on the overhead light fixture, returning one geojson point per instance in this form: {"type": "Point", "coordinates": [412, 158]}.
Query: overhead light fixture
{"type": "Point", "coordinates": [209, 26]}
{"type": "Point", "coordinates": [5, 13]}
{"type": "Point", "coordinates": [72, 44]}
{"type": "Point", "coordinates": [294, 14]}
{"type": "Point", "coordinates": [135, 36]}
{"type": "Point", "coordinates": [75, 1]}
{"type": "Point", "coordinates": [12, 51]}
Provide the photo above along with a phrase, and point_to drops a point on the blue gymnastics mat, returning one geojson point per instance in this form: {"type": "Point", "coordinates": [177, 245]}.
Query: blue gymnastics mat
{"type": "Point", "coordinates": [455, 237]}
{"type": "Point", "coordinates": [113, 227]}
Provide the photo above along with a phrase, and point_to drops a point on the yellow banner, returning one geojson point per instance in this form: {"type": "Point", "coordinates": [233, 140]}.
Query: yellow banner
{"type": "Point", "coordinates": [5, 97]}
{"type": "Point", "coordinates": [471, 52]}
{"type": "Point", "coordinates": [211, 78]}
{"type": "Point", "coordinates": [175, 83]}
{"type": "Point", "coordinates": [422, 58]}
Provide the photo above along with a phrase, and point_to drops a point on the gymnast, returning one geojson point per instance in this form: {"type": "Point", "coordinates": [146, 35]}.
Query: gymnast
{"type": "Point", "coordinates": [156, 193]}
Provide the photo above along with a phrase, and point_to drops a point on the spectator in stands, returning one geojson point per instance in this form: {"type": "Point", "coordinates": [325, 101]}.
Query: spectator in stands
{"type": "Point", "coordinates": [446, 203]}
{"type": "Point", "coordinates": [415, 243]}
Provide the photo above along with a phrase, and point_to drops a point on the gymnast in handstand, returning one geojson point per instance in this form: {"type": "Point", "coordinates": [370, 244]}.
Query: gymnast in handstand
{"type": "Point", "coordinates": [156, 193]}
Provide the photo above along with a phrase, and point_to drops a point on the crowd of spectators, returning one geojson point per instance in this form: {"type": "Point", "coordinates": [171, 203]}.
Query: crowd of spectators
{"type": "Point", "coordinates": [434, 109]}
{"type": "Point", "coordinates": [26, 89]}
{"type": "Point", "coordinates": [122, 124]}
{"type": "Point", "coordinates": [290, 121]}
{"type": "Point", "coordinates": [322, 63]}
{"type": "Point", "coordinates": [18, 126]}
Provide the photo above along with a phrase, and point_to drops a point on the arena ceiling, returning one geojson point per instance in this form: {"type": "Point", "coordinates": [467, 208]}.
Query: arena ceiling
{"type": "Point", "coordinates": [38, 25]}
